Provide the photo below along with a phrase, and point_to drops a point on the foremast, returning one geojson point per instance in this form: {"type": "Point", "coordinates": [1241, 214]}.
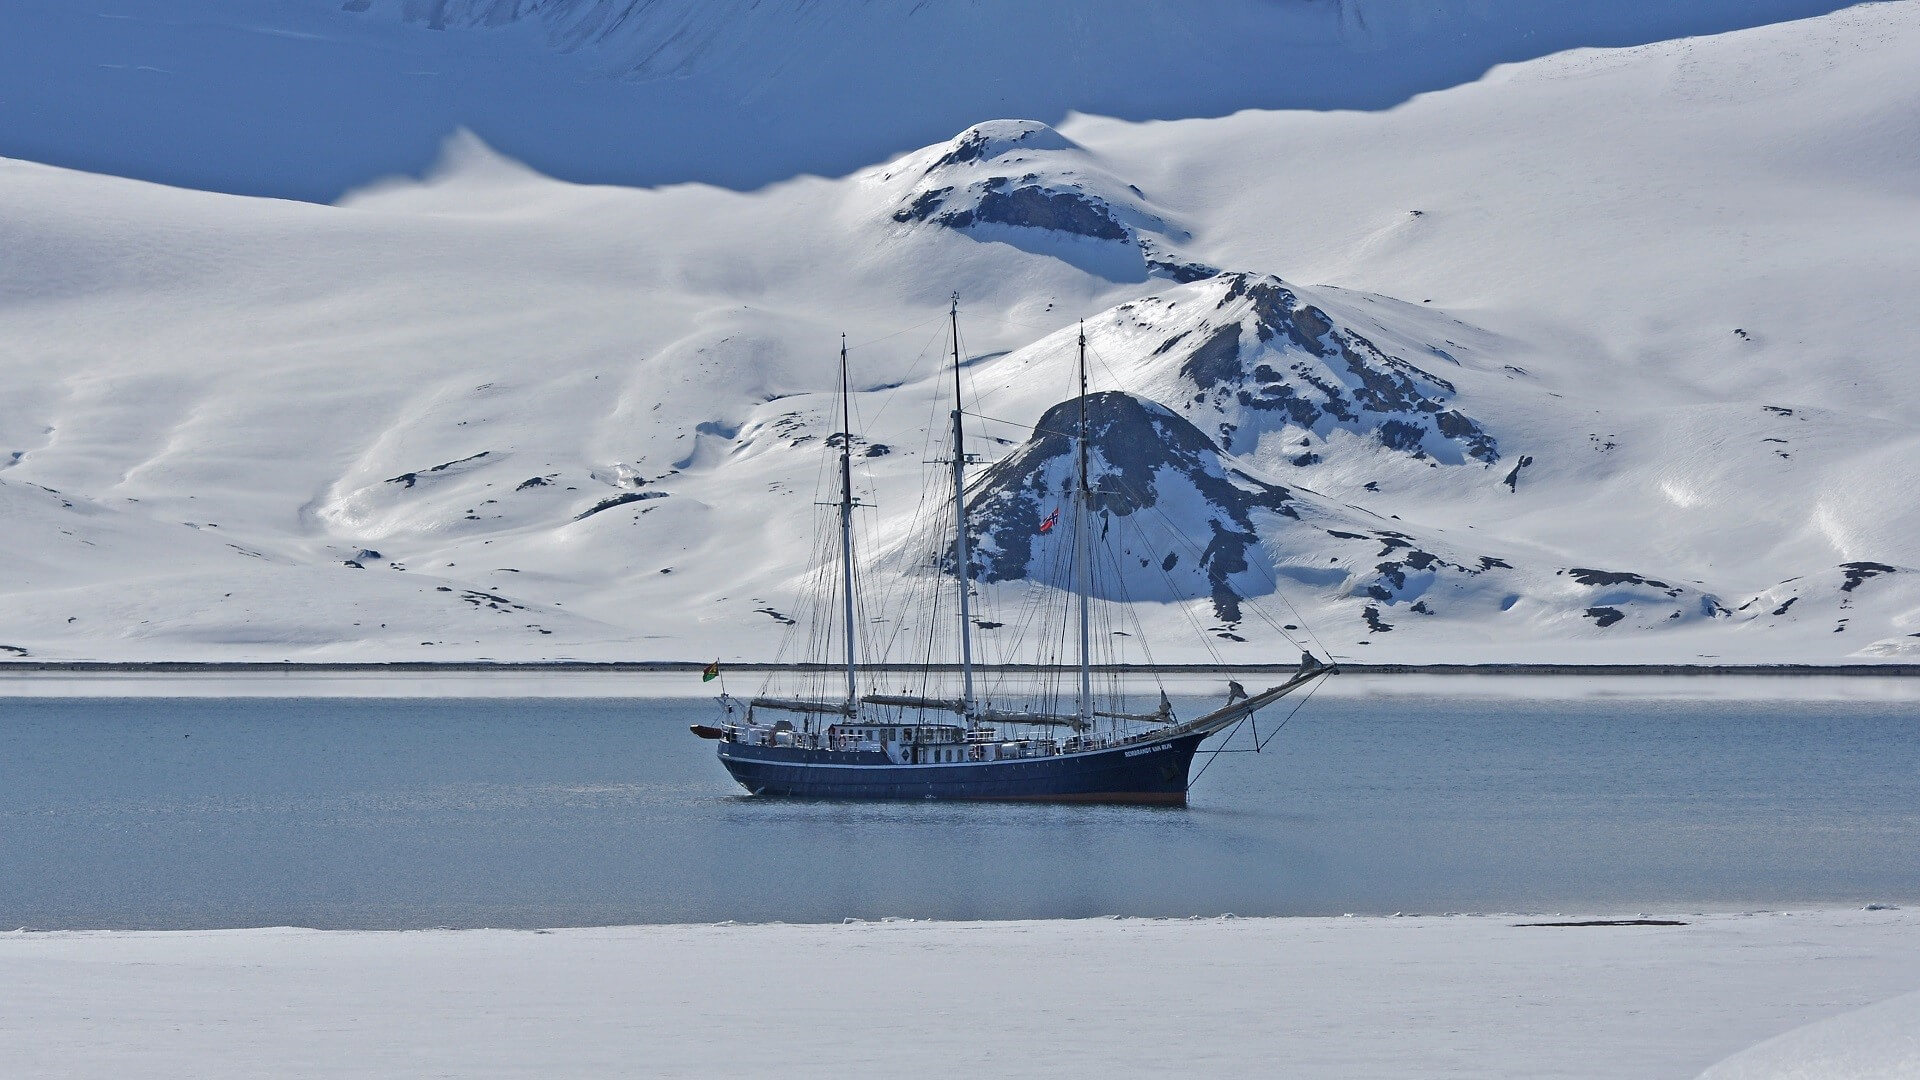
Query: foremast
{"type": "Point", "coordinates": [1082, 550]}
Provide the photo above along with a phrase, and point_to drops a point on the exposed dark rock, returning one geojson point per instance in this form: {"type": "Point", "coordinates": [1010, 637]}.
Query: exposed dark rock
{"type": "Point", "coordinates": [1609, 577]}
{"type": "Point", "coordinates": [1513, 478]}
{"type": "Point", "coordinates": [973, 144]}
{"type": "Point", "coordinates": [533, 482]}
{"type": "Point", "coordinates": [1342, 379]}
{"type": "Point", "coordinates": [782, 619]}
{"type": "Point", "coordinates": [410, 478]}
{"type": "Point", "coordinates": [924, 206]}
{"type": "Point", "coordinates": [1036, 207]}
{"type": "Point", "coordinates": [1607, 616]}
{"type": "Point", "coordinates": [618, 500]}
{"type": "Point", "coordinates": [1782, 609]}
{"type": "Point", "coordinates": [1138, 446]}
{"type": "Point", "coordinates": [1181, 272]}
{"type": "Point", "coordinates": [1216, 359]}
{"type": "Point", "coordinates": [1374, 623]}
{"type": "Point", "coordinates": [1858, 572]}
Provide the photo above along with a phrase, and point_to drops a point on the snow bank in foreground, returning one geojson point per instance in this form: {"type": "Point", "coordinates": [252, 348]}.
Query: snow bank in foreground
{"type": "Point", "coordinates": [1478, 996]}
{"type": "Point", "coordinates": [1880, 1042]}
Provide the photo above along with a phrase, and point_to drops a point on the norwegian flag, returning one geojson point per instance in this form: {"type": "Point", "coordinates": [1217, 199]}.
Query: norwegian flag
{"type": "Point", "coordinates": [1052, 520]}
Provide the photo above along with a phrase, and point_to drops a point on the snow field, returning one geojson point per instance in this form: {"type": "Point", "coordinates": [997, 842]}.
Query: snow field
{"type": "Point", "coordinates": [1459, 996]}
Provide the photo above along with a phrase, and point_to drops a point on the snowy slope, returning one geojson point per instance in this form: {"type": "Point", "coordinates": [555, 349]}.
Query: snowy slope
{"type": "Point", "coordinates": [1874, 1043]}
{"type": "Point", "coordinates": [1631, 322]}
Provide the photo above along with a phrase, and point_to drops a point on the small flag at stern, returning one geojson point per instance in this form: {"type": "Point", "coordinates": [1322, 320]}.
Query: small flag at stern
{"type": "Point", "coordinates": [710, 672]}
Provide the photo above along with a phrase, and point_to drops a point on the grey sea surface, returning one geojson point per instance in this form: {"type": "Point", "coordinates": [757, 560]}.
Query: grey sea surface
{"type": "Point", "coordinates": [333, 809]}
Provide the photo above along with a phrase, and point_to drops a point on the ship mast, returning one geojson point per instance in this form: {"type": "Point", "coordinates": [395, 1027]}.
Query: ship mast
{"type": "Point", "coordinates": [960, 525]}
{"type": "Point", "coordinates": [846, 521]}
{"type": "Point", "coordinates": [1083, 583]}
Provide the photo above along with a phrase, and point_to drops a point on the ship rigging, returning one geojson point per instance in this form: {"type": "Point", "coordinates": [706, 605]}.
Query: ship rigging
{"type": "Point", "coordinates": [914, 742]}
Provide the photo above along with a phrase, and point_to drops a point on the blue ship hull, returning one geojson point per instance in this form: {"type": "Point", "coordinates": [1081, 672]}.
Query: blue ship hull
{"type": "Point", "coordinates": [1146, 772]}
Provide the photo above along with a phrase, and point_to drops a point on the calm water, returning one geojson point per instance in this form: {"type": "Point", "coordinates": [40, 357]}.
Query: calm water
{"type": "Point", "coordinates": [489, 812]}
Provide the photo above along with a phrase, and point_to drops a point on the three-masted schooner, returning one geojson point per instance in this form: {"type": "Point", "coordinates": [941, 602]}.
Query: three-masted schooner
{"type": "Point", "coordinates": [874, 745]}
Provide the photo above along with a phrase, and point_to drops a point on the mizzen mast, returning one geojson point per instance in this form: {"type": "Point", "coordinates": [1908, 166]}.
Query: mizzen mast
{"type": "Point", "coordinates": [846, 522]}
{"type": "Point", "coordinates": [960, 559]}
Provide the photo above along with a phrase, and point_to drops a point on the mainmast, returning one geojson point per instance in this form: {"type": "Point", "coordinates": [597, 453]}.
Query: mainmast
{"type": "Point", "coordinates": [960, 525]}
{"type": "Point", "coordinates": [1082, 556]}
{"type": "Point", "coordinates": [846, 520]}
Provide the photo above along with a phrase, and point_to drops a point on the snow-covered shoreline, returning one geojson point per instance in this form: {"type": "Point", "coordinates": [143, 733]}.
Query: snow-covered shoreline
{"type": "Point", "coordinates": [1478, 995]}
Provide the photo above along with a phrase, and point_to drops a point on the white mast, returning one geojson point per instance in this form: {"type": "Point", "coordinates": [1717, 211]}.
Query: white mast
{"type": "Point", "coordinates": [846, 521]}
{"type": "Point", "coordinates": [960, 526]}
{"type": "Point", "coordinates": [1082, 555]}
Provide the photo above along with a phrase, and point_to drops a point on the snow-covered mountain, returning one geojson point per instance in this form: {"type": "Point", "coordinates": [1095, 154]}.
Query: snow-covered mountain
{"type": "Point", "coordinates": [1182, 520]}
{"type": "Point", "coordinates": [1605, 355]}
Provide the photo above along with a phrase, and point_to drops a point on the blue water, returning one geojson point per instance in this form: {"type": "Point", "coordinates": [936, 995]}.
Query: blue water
{"type": "Point", "coordinates": [165, 813]}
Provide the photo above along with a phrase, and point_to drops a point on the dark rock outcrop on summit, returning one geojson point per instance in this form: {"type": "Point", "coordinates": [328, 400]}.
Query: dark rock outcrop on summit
{"type": "Point", "coordinates": [1022, 183]}
{"type": "Point", "coordinates": [1269, 352]}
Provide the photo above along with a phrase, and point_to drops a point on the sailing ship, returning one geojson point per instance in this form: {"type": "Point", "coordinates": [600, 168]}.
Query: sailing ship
{"type": "Point", "coordinates": [974, 743]}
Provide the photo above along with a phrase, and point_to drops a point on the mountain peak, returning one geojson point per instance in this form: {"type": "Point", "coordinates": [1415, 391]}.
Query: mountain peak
{"type": "Point", "coordinates": [993, 139]}
{"type": "Point", "coordinates": [1022, 183]}
{"type": "Point", "coordinates": [1258, 357]}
